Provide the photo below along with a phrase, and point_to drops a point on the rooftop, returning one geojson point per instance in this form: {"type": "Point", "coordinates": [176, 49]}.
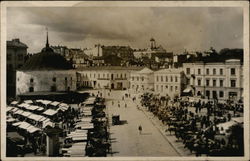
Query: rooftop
{"type": "Point", "coordinates": [16, 43]}
{"type": "Point", "coordinates": [109, 68]}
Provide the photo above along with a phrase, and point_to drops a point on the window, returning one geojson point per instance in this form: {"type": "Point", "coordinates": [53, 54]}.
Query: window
{"type": "Point", "coordinates": [133, 78]}
{"type": "Point", "coordinates": [166, 78]}
{"type": "Point", "coordinates": [188, 81]}
{"type": "Point", "coordinates": [171, 88]}
{"type": "Point", "coordinates": [137, 78]}
{"type": "Point", "coordinates": [125, 75]}
{"type": "Point", "coordinates": [94, 75]}
{"type": "Point", "coordinates": [171, 79]}
{"type": "Point", "coordinates": [121, 75]}
{"type": "Point", "coordinates": [98, 76]}
{"type": "Point", "coordinates": [142, 78]}
{"type": "Point", "coordinates": [31, 89]}
{"type": "Point", "coordinates": [207, 71]}
{"type": "Point", "coordinates": [9, 56]}
{"type": "Point", "coordinates": [188, 70]}
{"type": "Point", "coordinates": [20, 57]}
{"type": "Point", "coordinates": [221, 94]}
{"type": "Point", "coordinates": [176, 88]}
{"type": "Point", "coordinates": [207, 82]}
{"type": "Point", "coordinates": [221, 83]}
{"type": "Point", "coordinates": [214, 83]}
{"type": "Point", "coordinates": [233, 83]}
{"type": "Point", "coordinates": [54, 79]}
{"type": "Point", "coordinates": [176, 79]}
{"type": "Point", "coordinates": [208, 94]}
{"type": "Point", "coordinates": [31, 80]}
{"type": "Point", "coordinates": [157, 87]}
{"type": "Point", "coordinates": [166, 87]}
{"type": "Point", "coordinates": [199, 71]}
{"type": "Point", "coordinates": [232, 71]}
{"type": "Point", "coordinates": [157, 78]}
{"type": "Point", "coordinates": [161, 87]}
{"type": "Point", "coordinates": [214, 71]}
{"type": "Point", "coordinates": [103, 75]}
{"type": "Point", "coordinates": [221, 71]}
{"type": "Point", "coordinates": [161, 78]}
{"type": "Point", "coordinates": [66, 78]}
{"type": "Point", "coordinates": [199, 82]}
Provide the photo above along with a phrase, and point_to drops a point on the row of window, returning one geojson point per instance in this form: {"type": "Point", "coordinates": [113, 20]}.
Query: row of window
{"type": "Point", "coordinates": [214, 71]}
{"type": "Point", "coordinates": [53, 79]}
{"type": "Point", "coordinates": [137, 78]}
{"type": "Point", "coordinates": [221, 94]}
{"type": "Point", "coordinates": [166, 78]}
{"type": "Point", "coordinates": [104, 75]}
{"type": "Point", "coordinates": [19, 57]}
{"type": "Point", "coordinates": [161, 88]}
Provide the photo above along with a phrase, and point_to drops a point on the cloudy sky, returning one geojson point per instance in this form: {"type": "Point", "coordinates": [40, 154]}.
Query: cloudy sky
{"type": "Point", "coordinates": [175, 28]}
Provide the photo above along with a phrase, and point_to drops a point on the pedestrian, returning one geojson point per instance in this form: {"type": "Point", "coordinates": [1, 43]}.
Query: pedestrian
{"type": "Point", "coordinates": [140, 129]}
{"type": "Point", "coordinates": [125, 105]}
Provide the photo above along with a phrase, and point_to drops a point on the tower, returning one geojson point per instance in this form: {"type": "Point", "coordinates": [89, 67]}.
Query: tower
{"type": "Point", "coordinates": [152, 42]}
{"type": "Point", "coordinates": [47, 41]}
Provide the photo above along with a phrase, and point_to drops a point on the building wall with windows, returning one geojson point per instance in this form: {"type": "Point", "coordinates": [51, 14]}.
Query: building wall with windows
{"type": "Point", "coordinates": [223, 80]}
{"type": "Point", "coordinates": [105, 77]}
{"type": "Point", "coordinates": [169, 82]}
{"type": "Point", "coordinates": [45, 81]}
{"type": "Point", "coordinates": [142, 80]}
{"type": "Point", "coordinates": [16, 55]}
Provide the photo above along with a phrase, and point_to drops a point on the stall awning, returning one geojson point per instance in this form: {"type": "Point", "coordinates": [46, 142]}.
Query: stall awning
{"type": "Point", "coordinates": [35, 117]}
{"type": "Point", "coordinates": [28, 101]}
{"type": "Point", "coordinates": [55, 103]}
{"type": "Point", "coordinates": [32, 108]}
{"type": "Point", "coordinates": [17, 123]}
{"type": "Point", "coordinates": [85, 126]}
{"type": "Point", "coordinates": [19, 112]}
{"type": "Point", "coordinates": [14, 103]}
{"type": "Point", "coordinates": [86, 119]}
{"type": "Point", "coordinates": [33, 129]}
{"type": "Point", "coordinates": [238, 119]}
{"type": "Point", "coordinates": [26, 114]}
{"type": "Point", "coordinates": [24, 125]}
{"type": "Point", "coordinates": [50, 112]}
{"type": "Point", "coordinates": [225, 126]}
{"type": "Point", "coordinates": [9, 108]}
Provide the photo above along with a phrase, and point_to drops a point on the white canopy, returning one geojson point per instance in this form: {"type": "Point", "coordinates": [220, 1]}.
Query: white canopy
{"type": "Point", "coordinates": [28, 101]}
{"type": "Point", "coordinates": [24, 125]}
{"type": "Point", "coordinates": [50, 112]}
{"type": "Point", "coordinates": [33, 129]}
{"type": "Point", "coordinates": [223, 127]}
{"type": "Point", "coordinates": [238, 119]}
{"type": "Point", "coordinates": [17, 123]}
{"type": "Point", "coordinates": [55, 103]}
{"type": "Point", "coordinates": [14, 103]}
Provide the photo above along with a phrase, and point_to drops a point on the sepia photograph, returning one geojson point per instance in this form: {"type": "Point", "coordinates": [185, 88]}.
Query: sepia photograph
{"type": "Point", "coordinates": [124, 79]}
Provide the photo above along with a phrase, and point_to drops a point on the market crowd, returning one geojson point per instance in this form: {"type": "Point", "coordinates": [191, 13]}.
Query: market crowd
{"type": "Point", "coordinates": [205, 128]}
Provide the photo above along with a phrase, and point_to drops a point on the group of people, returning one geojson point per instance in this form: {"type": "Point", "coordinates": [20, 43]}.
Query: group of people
{"type": "Point", "coordinates": [195, 124]}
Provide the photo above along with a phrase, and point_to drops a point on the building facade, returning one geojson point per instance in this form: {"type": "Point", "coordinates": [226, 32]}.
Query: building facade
{"type": "Point", "coordinates": [46, 71]}
{"type": "Point", "coordinates": [223, 80]}
{"type": "Point", "coordinates": [142, 80]}
{"type": "Point", "coordinates": [110, 77]}
{"type": "Point", "coordinates": [16, 57]}
{"type": "Point", "coordinates": [169, 82]}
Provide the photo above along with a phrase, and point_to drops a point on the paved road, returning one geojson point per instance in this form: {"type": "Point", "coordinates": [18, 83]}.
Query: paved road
{"type": "Point", "coordinates": [126, 140]}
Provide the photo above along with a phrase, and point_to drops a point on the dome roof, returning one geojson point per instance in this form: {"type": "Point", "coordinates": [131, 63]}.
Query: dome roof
{"type": "Point", "coordinates": [47, 59]}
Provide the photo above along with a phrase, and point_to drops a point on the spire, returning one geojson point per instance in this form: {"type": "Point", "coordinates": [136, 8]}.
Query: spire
{"type": "Point", "coordinates": [47, 42]}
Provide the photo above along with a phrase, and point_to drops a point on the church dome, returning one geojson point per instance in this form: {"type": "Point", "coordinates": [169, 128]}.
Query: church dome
{"type": "Point", "coordinates": [47, 59]}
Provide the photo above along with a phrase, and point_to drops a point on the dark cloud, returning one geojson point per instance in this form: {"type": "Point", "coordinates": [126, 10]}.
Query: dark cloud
{"type": "Point", "coordinates": [175, 28]}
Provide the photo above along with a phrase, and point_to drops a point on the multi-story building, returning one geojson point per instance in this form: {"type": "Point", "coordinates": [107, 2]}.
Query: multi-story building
{"type": "Point", "coordinates": [169, 82]}
{"type": "Point", "coordinates": [16, 57]}
{"type": "Point", "coordinates": [112, 77]}
{"type": "Point", "coordinates": [142, 80]}
{"type": "Point", "coordinates": [221, 80]}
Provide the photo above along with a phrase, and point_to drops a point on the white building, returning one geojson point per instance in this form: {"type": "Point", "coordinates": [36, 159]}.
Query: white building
{"type": "Point", "coordinates": [45, 72]}
{"type": "Point", "coordinates": [96, 51]}
{"type": "Point", "coordinates": [111, 77]}
{"type": "Point", "coordinates": [169, 82]}
{"type": "Point", "coordinates": [142, 80]}
{"type": "Point", "coordinates": [221, 80]}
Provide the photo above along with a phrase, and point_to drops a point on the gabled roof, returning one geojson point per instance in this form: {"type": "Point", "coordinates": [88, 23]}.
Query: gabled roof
{"type": "Point", "coordinates": [145, 71]}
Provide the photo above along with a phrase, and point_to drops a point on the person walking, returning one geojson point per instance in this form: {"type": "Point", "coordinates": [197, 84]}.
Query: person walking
{"type": "Point", "coordinates": [140, 129]}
